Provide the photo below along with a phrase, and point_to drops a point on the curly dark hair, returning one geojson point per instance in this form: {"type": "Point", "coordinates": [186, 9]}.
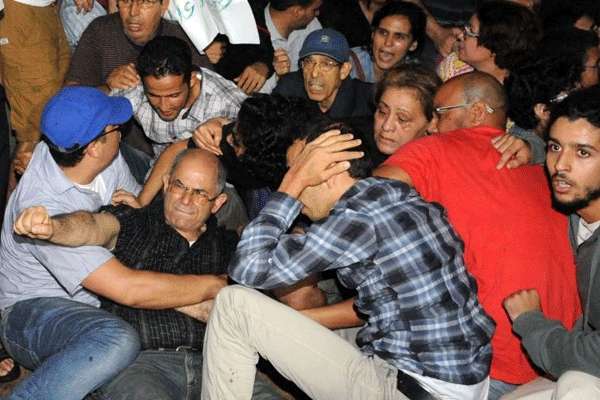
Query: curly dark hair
{"type": "Point", "coordinates": [267, 125]}
{"type": "Point", "coordinates": [554, 69]}
{"type": "Point", "coordinates": [540, 81]}
{"type": "Point", "coordinates": [509, 30]}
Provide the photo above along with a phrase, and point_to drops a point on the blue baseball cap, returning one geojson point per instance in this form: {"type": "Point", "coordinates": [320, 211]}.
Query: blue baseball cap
{"type": "Point", "coordinates": [327, 42]}
{"type": "Point", "coordinates": [77, 115]}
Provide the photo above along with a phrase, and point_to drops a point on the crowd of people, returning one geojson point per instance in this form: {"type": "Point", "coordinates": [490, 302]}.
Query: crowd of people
{"type": "Point", "coordinates": [382, 199]}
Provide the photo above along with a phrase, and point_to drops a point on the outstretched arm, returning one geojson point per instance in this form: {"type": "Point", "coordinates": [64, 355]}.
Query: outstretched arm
{"type": "Point", "coordinates": [149, 289]}
{"type": "Point", "coordinates": [80, 228]}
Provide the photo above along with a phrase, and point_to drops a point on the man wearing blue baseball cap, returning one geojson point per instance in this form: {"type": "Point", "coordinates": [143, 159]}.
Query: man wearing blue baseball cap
{"type": "Point", "coordinates": [51, 322]}
{"type": "Point", "coordinates": [325, 77]}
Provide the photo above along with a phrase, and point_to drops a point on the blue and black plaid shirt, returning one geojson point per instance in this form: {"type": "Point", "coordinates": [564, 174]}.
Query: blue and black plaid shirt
{"type": "Point", "coordinates": [405, 262]}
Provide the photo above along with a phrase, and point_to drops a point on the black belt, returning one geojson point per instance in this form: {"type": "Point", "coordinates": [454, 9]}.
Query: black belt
{"type": "Point", "coordinates": [411, 388]}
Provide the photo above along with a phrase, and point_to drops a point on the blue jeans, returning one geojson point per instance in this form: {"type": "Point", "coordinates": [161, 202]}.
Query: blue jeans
{"type": "Point", "coordinates": [499, 388]}
{"type": "Point", "coordinates": [72, 347]}
{"type": "Point", "coordinates": [167, 375]}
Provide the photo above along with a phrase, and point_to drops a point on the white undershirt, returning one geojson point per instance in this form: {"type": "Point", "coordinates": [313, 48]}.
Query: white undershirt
{"type": "Point", "coordinates": [585, 230]}
{"type": "Point", "coordinates": [97, 185]}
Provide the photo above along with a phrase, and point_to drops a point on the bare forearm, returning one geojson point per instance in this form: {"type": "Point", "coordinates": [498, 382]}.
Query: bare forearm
{"type": "Point", "coordinates": [335, 316]}
{"type": "Point", "coordinates": [84, 229]}
{"type": "Point", "coordinates": [154, 290]}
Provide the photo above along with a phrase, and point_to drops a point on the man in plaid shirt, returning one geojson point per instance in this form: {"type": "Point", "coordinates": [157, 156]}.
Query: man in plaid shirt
{"type": "Point", "coordinates": [426, 334]}
{"type": "Point", "coordinates": [174, 97]}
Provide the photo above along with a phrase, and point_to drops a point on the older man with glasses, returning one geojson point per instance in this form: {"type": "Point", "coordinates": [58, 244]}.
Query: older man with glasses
{"type": "Point", "coordinates": [55, 270]}
{"type": "Point", "coordinates": [325, 77]}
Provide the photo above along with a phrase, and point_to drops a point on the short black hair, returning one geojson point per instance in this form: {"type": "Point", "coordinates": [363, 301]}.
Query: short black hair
{"type": "Point", "coordinates": [165, 55]}
{"type": "Point", "coordinates": [581, 104]}
{"type": "Point", "coordinates": [360, 168]}
{"type": "Point", "coordinates": [266, 126]}
{"type": "Point", "coordinates": [65, 158]}
{"type": "Point", "coordinates": [415, 15]}
{"type": "Point", "coordinates": [509, 30]}
{"type": "Point", "coordinates": [282, 5]}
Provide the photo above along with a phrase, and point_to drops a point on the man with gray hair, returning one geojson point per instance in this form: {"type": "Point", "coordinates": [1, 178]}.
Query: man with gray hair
{"type": "Point", "coordinates": [176, 235]}
{"type": "Point", "coordinates": [325, 79]}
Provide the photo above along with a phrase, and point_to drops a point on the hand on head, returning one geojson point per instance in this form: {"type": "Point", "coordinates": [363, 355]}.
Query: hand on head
{"type": "Point", "coordinates": [319, 160]}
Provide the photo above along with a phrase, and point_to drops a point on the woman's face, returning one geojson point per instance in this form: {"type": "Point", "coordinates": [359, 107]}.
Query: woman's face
{"type": "Point", "coordinates": [589, 76]}
{"type": "Point", "coordinates": [391, 41]}
{"type": "Point", "coordinates": [399, 119]}
{"type": "Point", "coordinates": [469, 49]}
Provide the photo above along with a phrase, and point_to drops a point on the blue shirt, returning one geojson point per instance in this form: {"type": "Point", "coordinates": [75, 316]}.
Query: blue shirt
{"type": "Point", "coordinates": [404, 260]}
{"type": "Point", "coordinates": [33, 268]}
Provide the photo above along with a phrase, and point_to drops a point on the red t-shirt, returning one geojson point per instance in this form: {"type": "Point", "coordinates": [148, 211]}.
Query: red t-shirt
{"type": "Point", "coordinates": [513, 238]}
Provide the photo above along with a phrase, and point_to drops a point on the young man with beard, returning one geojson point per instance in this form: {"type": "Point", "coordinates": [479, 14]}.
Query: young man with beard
{"type": "Point", "coordinates": [573, 163]}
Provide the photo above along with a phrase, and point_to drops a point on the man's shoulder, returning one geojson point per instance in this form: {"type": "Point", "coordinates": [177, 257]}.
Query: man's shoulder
{"type": "Point", "coordinates": [170, 28]}
{"type": "Point", "coordinates": [105, 26]}
{"type": "Point", "coordinates": [361, 86]}
{"type": "Point", "coordinates": [216, 78]}
{"type": "Point", "coordinates": [377, 190]}
{"type": "Point", "coordinates": [291, 85]}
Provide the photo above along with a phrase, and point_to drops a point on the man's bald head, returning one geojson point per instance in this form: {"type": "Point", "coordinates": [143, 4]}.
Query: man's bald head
{"type": "Point", "coordinates": [204, 162]}
{"type": "Point", "coordinates": [193, 191]}
{"type": "Point", "coordinates": [481, 99]}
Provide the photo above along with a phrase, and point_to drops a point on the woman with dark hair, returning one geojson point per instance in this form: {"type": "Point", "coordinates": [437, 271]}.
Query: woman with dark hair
{"type": "Point", "coordinates": [499, 37]}
{"type": "Point", "coordinates": [566, 60]}
{"type": "Point", "coordinates": [398, 35]}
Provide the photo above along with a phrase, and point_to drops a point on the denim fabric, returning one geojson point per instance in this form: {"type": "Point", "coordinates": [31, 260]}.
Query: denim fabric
{"type": "Point", "coordinates": [499, 388]}
{"type": "Point", "coordinates": [168, 375]}
{"type": "Point", "coordinates": [164, 375]}
{"type": "Point", "coordinates": [72, 347]}
{"type": "Point", "coordinates": [137, 161]}
{"type": "Point", "coordinates": [75, 22]}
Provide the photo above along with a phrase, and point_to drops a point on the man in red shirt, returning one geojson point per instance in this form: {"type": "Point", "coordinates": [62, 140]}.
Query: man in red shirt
{"type": "Point", "coordinates": [513, 238]}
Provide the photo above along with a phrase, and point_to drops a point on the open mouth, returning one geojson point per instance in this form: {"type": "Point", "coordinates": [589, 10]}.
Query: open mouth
{"type": "Point", "coordinates": [561, 185]}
